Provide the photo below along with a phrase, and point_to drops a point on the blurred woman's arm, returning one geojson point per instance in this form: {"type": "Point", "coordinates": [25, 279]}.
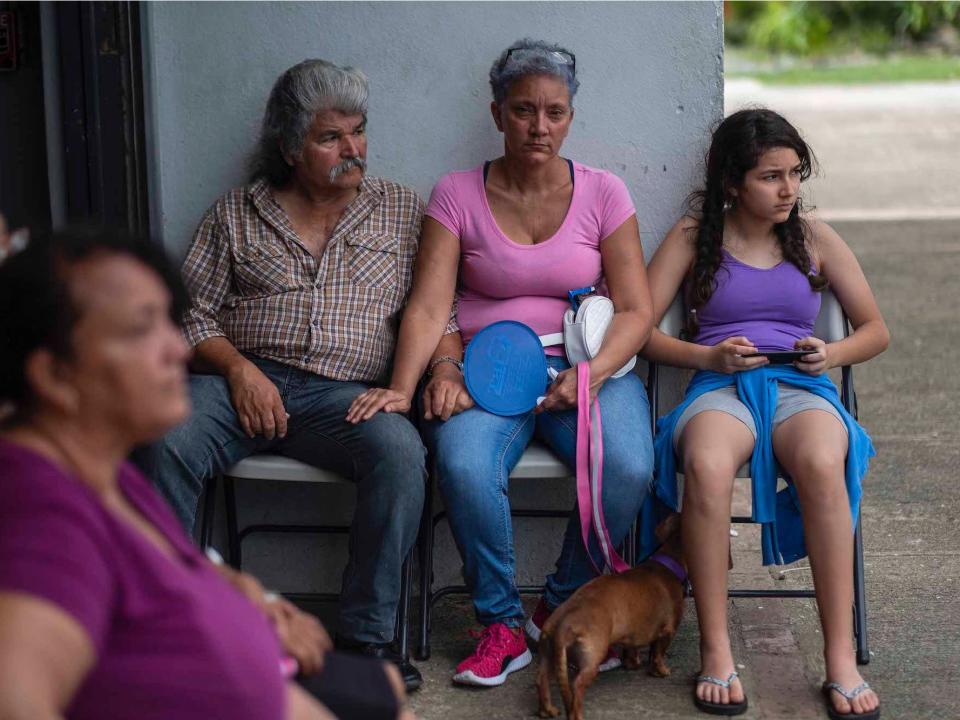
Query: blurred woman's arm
{"type": "Point", "coordinates": [45, 654]}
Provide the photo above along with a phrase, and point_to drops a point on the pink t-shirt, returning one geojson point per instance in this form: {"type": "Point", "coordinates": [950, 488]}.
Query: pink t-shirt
{"type": "Point", "coordinates": [503, 280]}
{"type": "Point", "coordinates": [172, 638]}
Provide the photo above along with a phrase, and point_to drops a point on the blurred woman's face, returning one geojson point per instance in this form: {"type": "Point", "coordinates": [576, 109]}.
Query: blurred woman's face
{"type": "Point", "coordinates": [535, 117]}
{"type": "Point", "coordinates": [128, 361]}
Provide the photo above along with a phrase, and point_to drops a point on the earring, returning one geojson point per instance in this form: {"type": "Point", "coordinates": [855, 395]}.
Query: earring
{"type": "Point", "coordinates": [727, 205]}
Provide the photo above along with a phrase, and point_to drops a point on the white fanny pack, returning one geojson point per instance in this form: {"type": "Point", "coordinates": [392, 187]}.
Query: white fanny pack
{"type": "Point", "coordinates": [583, 332]}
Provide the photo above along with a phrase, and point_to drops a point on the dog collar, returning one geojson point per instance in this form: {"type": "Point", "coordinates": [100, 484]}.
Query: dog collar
{"type": "Point", "coordinates": [670, 564]}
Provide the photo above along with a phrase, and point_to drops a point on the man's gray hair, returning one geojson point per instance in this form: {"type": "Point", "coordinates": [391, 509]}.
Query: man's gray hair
{"type": "Point", "coordinates": [298, 95]}
{"type": "Point", "coordinates": [532, 57]}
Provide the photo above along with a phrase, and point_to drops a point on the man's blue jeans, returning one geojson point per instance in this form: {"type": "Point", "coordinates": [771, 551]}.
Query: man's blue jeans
{"type": "Point", "coordinates": [475, 452]}
{"type": "Point", "coordinates": [384, 456]}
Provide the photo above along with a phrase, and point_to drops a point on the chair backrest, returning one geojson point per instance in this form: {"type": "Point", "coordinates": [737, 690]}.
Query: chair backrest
{"type": "Point", "coordinates": [831, 324]}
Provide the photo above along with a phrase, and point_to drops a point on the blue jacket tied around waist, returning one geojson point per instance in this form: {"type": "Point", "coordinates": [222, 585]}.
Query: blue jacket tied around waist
{"type": "Point", "coordinates": [779, 513]}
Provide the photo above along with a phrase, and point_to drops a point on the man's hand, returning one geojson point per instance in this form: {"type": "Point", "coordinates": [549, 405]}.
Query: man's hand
{"type": "Point", "coordinates": [257, 402]}
{"type": "Point", "coordinates": [445, 395]}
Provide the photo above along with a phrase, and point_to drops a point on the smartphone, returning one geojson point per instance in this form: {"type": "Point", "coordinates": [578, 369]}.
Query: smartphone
{"type": "Point", "coordinates": [781, 357]}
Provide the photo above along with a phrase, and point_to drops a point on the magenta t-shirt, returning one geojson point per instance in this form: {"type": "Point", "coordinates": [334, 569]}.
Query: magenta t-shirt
{"type": "Point", "coordinates": [503, 280]}
{"type": "Point", "coordinates": [172, 638]}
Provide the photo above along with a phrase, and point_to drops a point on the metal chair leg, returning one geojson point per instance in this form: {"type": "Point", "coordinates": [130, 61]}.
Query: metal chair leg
{"type": "Point", "coordinates": [209, 510]}
{"type": "Point", "coordinates": [859, 599]}
{"type": "Point", "coordinates": [426, 572]}
{"type": "Point", "coordinates": [403, 608]}
{"type": "Point", "coordinates": [233, 534]}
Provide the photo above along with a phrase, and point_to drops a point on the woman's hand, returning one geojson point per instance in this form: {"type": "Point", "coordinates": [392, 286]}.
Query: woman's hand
{"type": "Point", "coordinates": [562, 393]}
{"type": "Point", "coordinates": [445, 395]}
{"type": "Point", "coordinates": [728, 356]}
{"type": "Point", "coordinates": [816, 363]}
{"type": "Point", "coordinates": [301, 635]}
{"type": "Point", "coordinates": [369, 403]}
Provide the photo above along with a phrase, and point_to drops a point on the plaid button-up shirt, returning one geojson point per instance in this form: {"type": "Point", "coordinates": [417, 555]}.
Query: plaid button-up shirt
{"type": "Point", "coordinates": [253, 281]}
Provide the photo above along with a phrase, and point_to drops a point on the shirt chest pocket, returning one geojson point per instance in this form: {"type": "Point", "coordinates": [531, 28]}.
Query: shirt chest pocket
{"type": "Point", "coordinates": [373, 260]}
{"type": "Point", "coordinates": [261, 270]}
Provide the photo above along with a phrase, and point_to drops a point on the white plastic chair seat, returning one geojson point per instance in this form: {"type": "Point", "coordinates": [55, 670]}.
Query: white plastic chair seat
{"type": "Point", "coordinates": [537, 462]}
{"type": "Point", "coordinates": [278, 467]}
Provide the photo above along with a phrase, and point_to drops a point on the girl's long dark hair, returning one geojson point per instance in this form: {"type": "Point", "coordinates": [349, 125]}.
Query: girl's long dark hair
{"type": "Point", "coordinates": [736, 147]}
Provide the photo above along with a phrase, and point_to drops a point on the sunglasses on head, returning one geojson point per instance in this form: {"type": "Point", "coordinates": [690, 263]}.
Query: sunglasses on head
{"type": "Point", "coordinates": [561, 56]}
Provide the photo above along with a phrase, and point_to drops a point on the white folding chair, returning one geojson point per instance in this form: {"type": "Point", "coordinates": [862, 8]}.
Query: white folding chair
{"type": "Point", "coordinates": [278, 467]}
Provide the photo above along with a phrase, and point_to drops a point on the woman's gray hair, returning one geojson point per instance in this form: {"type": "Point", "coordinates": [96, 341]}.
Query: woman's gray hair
{"type": "Point", "coordinates": [298, 95]}
{"type": "Point", "coordinates": [532, 57]}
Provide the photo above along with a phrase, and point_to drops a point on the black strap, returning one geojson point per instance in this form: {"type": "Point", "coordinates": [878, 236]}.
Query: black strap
{"type": "Point", "coordinates": [486, 170]}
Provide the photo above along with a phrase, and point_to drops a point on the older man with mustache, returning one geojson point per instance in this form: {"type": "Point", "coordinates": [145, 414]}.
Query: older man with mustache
{"type": "Point", "coordinates": [297, 282]}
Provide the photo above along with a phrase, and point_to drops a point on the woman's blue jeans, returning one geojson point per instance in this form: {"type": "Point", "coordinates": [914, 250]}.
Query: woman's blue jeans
{"type": "Point", "coordinates": [474, 453]}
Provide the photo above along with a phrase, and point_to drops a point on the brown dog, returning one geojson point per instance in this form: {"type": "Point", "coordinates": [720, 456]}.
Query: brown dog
{"type": "Point", "coordinates": [635, 609]}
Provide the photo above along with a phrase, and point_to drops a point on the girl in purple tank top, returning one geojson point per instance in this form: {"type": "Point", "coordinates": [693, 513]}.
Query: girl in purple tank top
{"type": "Point", "coordinates": [751, 267]}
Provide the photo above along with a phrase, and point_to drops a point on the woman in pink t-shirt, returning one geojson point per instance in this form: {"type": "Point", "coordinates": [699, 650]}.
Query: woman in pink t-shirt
{"type": "Point", "coordinates": [519, 232]}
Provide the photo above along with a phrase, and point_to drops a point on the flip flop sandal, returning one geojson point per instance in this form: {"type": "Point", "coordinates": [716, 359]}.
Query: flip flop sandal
{"type": "Point", "coordinates": [712, 708]}
{"type": "Point", "coordinates": [849, 695]}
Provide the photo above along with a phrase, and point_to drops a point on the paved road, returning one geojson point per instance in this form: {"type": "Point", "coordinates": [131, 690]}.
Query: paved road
{"type": "Point", "coordinates": [887, 151]}
{"type": "Point", "coordinates": [910, 402]}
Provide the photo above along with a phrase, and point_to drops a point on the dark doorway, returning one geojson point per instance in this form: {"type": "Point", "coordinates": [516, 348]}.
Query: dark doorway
{"type": "Point", "coordinates": [24, 187]}
{"type": "Point", "coordinates": [98, 140]}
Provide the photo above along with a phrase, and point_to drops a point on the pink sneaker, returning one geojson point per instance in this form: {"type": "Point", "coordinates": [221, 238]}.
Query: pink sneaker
{"type": "Point", "coordinates": [501, 651]}
{"type": "Point", "coordinates": [539, 618]}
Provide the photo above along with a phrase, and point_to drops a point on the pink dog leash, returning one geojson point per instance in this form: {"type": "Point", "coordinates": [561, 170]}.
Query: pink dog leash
{"type": "Point", "coordinates": [590, 474]}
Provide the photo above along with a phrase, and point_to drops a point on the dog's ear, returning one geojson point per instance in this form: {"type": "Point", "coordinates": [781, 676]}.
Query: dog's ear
{"type": "Point", "coordinates": [668, 527]}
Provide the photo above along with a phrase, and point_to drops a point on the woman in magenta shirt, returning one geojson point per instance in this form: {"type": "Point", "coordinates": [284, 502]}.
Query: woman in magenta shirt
{"type": "Point", "coordinates": [519, 232]}
{"type": "Point", "coordinates": [107, 610]}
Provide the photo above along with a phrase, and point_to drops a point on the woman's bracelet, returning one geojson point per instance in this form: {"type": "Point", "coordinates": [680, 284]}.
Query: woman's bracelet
{"type": "Point", "coordinates": [443, 359]}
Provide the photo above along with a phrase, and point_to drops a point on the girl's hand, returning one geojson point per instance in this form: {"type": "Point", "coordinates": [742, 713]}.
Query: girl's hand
{"type": "Point", "coordinates": [816, 363]}
{"type": "Point", "coordinates": [445, 395]}
{"type": "Point", "coordinates": [729, 356]}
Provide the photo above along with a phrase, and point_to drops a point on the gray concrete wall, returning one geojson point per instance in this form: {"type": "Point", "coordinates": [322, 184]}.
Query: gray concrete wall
{"type": "Point", "coordinates": [651, 87]}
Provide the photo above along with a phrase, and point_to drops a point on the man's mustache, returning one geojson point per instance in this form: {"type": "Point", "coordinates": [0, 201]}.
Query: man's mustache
{"type": "Point", "coordinates": [346, 165]}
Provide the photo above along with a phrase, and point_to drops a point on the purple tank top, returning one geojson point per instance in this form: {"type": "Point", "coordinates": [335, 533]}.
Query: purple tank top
{"type": "Point", "coordinates": [772, 307]}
